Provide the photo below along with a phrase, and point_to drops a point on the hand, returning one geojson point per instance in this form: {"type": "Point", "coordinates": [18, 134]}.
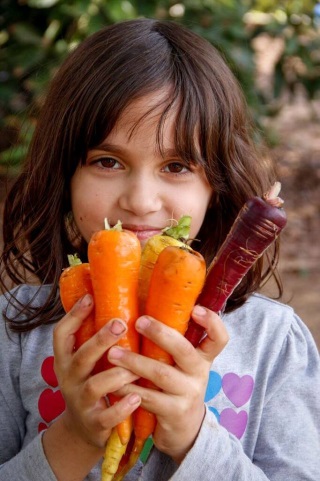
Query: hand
{"type": "Point", "coordinates": [179, 406]}
{"type": "Point", "coordinates": [87, 414]}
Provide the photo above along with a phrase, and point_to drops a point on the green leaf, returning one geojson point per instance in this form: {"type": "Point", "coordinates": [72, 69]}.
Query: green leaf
{"type": "Point", "coordinates": [181, 230]}
{"type": "Point", "coordinates": [25, 34]}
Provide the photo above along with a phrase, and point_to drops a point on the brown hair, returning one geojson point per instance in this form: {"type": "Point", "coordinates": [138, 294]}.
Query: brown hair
{"type": "Point", "coordinates": [98, 80]}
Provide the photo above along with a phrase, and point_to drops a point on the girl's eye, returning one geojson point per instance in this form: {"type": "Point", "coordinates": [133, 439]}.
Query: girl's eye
{"type": "Point", "coordinates": [108, 163]}
{"type": "Point", "coordinates": [177, 168]}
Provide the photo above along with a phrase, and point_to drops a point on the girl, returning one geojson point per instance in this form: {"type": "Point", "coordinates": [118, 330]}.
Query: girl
{"type": "Point", "coordinates": [144, 122]}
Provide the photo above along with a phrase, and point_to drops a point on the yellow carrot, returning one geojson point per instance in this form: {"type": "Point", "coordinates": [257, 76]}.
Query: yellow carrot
{"type": "Point", "coordinates": [115, 449]}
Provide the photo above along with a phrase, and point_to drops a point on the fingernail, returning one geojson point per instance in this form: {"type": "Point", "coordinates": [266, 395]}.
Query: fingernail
{"type": "Point", "coordinates": [199, 311]}
{"type": "Point", "coordinates": [115, 353]}
{"type": "Point", "coordinates": [134, 399]}
{"type": "Point", "coordinates": [86, 301]}
{"type": "Point", "coordinates": [143, 322]}
{"type": "Point", "coordinates": [117, 327]}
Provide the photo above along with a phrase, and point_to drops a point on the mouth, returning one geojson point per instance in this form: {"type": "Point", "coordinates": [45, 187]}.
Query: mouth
{"type": "Point", "coordinates": [143, 232]}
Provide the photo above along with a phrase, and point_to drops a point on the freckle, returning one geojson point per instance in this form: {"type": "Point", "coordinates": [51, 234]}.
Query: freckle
{"type": "Point", "coordinates": [81, 218]}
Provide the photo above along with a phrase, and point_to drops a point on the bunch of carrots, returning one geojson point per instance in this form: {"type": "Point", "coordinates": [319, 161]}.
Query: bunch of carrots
{"type": "Point", "coordinates": [164, 281]}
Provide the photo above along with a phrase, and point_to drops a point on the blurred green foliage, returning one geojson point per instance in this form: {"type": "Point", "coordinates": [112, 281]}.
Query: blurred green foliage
{"type": "Point", "coordinates": [35, 35]}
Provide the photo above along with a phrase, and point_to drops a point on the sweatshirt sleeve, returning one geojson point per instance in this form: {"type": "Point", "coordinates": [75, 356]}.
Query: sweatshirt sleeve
{"type": "Point", "coordinates": [26, 463]}
{"type": "Point", "coordinates": [216, 454]}
{"type": "Point", "coordinates": [29, 465]}
{"type": "Point", "coordinates": [12, 412]}
{"type": "Point", "coordinates": [288, 443]}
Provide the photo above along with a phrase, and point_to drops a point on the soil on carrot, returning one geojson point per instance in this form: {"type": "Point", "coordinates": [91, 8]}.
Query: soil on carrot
{"type": "Point", "coordinates": [297, 153]}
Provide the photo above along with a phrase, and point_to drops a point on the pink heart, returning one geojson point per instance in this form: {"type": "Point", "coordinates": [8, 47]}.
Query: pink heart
{"type": "Point", "coordinates": [51, 404]}
{"type": "Point", "coordinates": [234, 422]}
{"type": "Point", "coordinates": [237, 389]}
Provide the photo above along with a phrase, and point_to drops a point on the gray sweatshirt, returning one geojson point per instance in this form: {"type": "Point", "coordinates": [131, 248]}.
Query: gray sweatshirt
{"type": "Point", "coordinates": [263, 403]}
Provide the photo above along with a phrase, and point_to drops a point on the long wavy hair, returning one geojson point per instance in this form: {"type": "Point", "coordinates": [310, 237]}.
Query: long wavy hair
{"type": "Point", "coordinates": [94, 85]}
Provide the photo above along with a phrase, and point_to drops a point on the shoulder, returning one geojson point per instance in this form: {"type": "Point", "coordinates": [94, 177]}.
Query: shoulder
{"type": "Point", "coordinates": [270, 329]}
{"type": "Point", "coordinates": [263, 306]}
{"type": "Point", "coordinates": [260, 312]}
{"type": "Point", "coordinates": [11, 305]}
{"type": "Point", "coordinates": [24, 294]}
{"type": "Point", "coordinates": [12, 302]}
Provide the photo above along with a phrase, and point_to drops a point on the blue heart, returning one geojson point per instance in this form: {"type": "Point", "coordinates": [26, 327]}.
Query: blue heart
{"type": "Point", "coordinates": [215, 412]}
{"type": "Point", "coordinates": [214, 385]}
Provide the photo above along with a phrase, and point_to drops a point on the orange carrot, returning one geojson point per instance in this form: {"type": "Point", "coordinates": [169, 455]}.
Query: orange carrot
{"type": "Point", "coordinates": [114, 257]}
{"type": "Point", "coordinates": [177, 279]}
{"type": "Point", "coordinates": [75, 282]}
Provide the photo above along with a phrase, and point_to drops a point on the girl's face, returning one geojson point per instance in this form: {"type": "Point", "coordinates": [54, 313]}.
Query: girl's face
{"type": "Point", "coordinates": [127, 178]}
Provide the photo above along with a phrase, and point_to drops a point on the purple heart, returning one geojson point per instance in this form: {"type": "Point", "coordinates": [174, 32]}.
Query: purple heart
{"type": "Point", "coordinates": [234, 422]}
{"type": "Point", "coordinates": [237, 389]}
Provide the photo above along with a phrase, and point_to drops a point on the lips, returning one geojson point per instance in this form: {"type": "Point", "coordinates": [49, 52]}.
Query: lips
{"type": "Point", "coordinates": [143, 232]}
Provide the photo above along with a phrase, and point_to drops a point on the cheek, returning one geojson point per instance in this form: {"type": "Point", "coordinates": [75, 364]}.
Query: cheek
{"type": "Point", "coordinates": [85, 209]}
{"type": "Point", "coordinates": [81, 217]}
{"type": "Point", "coordinates": [198, 212]}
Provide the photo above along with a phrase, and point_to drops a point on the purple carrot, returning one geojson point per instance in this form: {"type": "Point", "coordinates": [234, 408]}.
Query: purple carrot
{"type": "Point", "coordinates": [257, 225]}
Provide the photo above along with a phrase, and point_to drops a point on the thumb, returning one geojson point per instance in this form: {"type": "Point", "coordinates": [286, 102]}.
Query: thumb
{"type": "Point", "coordinates": [216, 333]}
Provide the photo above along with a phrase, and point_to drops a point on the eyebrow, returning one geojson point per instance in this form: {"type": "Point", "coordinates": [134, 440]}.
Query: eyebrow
{"type": "Point", "coordinates": [118, 149]}
{"type": "Point", "coordinates": [109, 147]}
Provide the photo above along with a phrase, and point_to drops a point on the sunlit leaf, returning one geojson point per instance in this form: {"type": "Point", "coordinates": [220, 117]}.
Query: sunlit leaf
{"type": "Point", "coordinates": [42, 3]}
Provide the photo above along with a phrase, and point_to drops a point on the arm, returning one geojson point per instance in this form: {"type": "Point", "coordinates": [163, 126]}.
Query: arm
{"type": "Point", "coordinates": [173, 435]}
{"type": "Point", "coordinates": [86, 423]}
{"type": "Point", "coordinates": [288, 443]}
{"type": "Point", "coordinates": [73, 443]}
{"type": "Point", "coordinates": [16, 462]}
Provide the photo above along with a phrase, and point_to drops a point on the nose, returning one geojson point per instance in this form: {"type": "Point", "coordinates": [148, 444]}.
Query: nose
{"type": "Point", "coordinates": [140, 197]}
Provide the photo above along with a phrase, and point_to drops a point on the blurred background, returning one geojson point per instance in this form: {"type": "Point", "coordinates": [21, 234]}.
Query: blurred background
{"type": "Point", "coordinates": [272, 46]}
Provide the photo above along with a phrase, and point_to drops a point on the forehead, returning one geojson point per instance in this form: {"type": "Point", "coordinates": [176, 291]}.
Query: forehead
{"type": "Point", "coordinates": [148, 113]}
{"type": "Point", "coordinates": [160, 120]}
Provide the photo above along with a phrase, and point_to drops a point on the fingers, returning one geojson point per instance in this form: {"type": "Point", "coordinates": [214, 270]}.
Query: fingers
{"type": "Point", "coordinates": [161, 374]}
{"type": "Point", "coordinates": [84, 360]}
{"type": "Point", "coordinates": [64, 331]}
{"type": "Point", "coordinates": [217, 334]}
{"type": "Point", "coordinates": [164, 376]}
{"type": "Point", "coordinates": [192, 361]}
{"type": "Point", "coordinates": [165, 337]}
{"type": "Point", "coordinates": [114, 415]}
{"type": "Point", "coordinates": [182, 352]}
{"type": "Point", "coordinates": [86, 357]}
{"type": "Point", "coordinates": [105, 382]}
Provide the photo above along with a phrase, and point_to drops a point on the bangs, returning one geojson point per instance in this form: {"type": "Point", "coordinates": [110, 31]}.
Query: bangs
{"type": "Point", "coordinates": [194, 123]}
{"type": "Point", "coordinates": [200, 93]}
{"type": "Point", "coordinates": [186, 132]}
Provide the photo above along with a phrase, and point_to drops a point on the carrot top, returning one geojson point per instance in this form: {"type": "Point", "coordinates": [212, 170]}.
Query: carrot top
{"type": "Point", "coordinates": [181, 230]}
{"type": "Point", "coordinates": [74, 260]}
{"type": "Point", "coordinates": [116, 227]}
